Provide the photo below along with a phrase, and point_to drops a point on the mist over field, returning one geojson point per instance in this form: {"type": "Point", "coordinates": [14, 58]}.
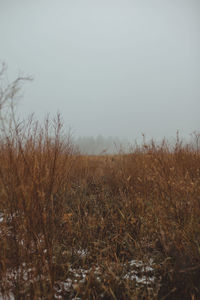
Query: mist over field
{"type": "Point", "coordinates": [101, 145]}
{"type": "Point", "coordinates": [100, 152]}
{"type": "Point", "coordinates": [112, 68]}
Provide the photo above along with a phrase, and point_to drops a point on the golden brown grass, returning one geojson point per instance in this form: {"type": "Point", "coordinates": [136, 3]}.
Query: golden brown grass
{"type": "Point", "coordinates": [56, 204]}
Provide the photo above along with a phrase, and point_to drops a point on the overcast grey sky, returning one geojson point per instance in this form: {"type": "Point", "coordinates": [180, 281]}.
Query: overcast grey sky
{"type": "Point", "coordinates": [111, 67]}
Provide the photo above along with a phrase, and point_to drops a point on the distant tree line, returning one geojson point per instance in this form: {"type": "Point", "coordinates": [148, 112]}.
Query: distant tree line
{"type": "Point", "coordinates": [101, 145]}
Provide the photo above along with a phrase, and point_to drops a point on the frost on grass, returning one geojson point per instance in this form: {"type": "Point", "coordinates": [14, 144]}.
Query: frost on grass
{"type": "Point", "coordinates": [135, 271]}
{"type": "Point", "coordinates": [140, 272]}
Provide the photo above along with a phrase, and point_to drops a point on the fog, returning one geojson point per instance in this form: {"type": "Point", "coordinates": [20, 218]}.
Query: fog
{"type": "Point", "coordinates": [110, 67]}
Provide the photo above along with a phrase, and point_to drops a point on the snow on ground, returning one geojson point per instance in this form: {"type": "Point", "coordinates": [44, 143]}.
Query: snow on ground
{"type": "Point", "coordinates": [133, 270]}
{"type": "Point", "coordinates": [78, 276]}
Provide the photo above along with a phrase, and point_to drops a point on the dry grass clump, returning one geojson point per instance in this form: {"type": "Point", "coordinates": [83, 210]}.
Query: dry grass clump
{"type": "Point", "coordinates": [96, 227]}
{"type": "Point", "coordinates": [147, 204]}
{"type": "Point", "coordinates": [56, 205]}
{"type": "Point", "coordinates": [34, 171]}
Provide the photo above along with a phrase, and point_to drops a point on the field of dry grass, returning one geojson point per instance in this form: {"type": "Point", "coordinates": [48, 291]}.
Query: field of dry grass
{"type": "Point", "coordinates": [122, 226]}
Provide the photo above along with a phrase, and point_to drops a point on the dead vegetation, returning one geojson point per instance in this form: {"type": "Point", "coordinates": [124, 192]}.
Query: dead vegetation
{"type": "Point", "coordinates": [96, 227]}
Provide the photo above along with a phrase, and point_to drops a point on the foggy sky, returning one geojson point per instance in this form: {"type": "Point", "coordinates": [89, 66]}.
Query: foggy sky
{"type": "Point", "coordinates": [111, 67]}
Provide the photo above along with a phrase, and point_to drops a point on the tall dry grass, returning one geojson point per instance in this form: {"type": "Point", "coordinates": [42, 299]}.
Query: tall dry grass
{"type": "Point", "coordinates": [56, 203]}
{"type": "Point", "coordinates": [34, 174]}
